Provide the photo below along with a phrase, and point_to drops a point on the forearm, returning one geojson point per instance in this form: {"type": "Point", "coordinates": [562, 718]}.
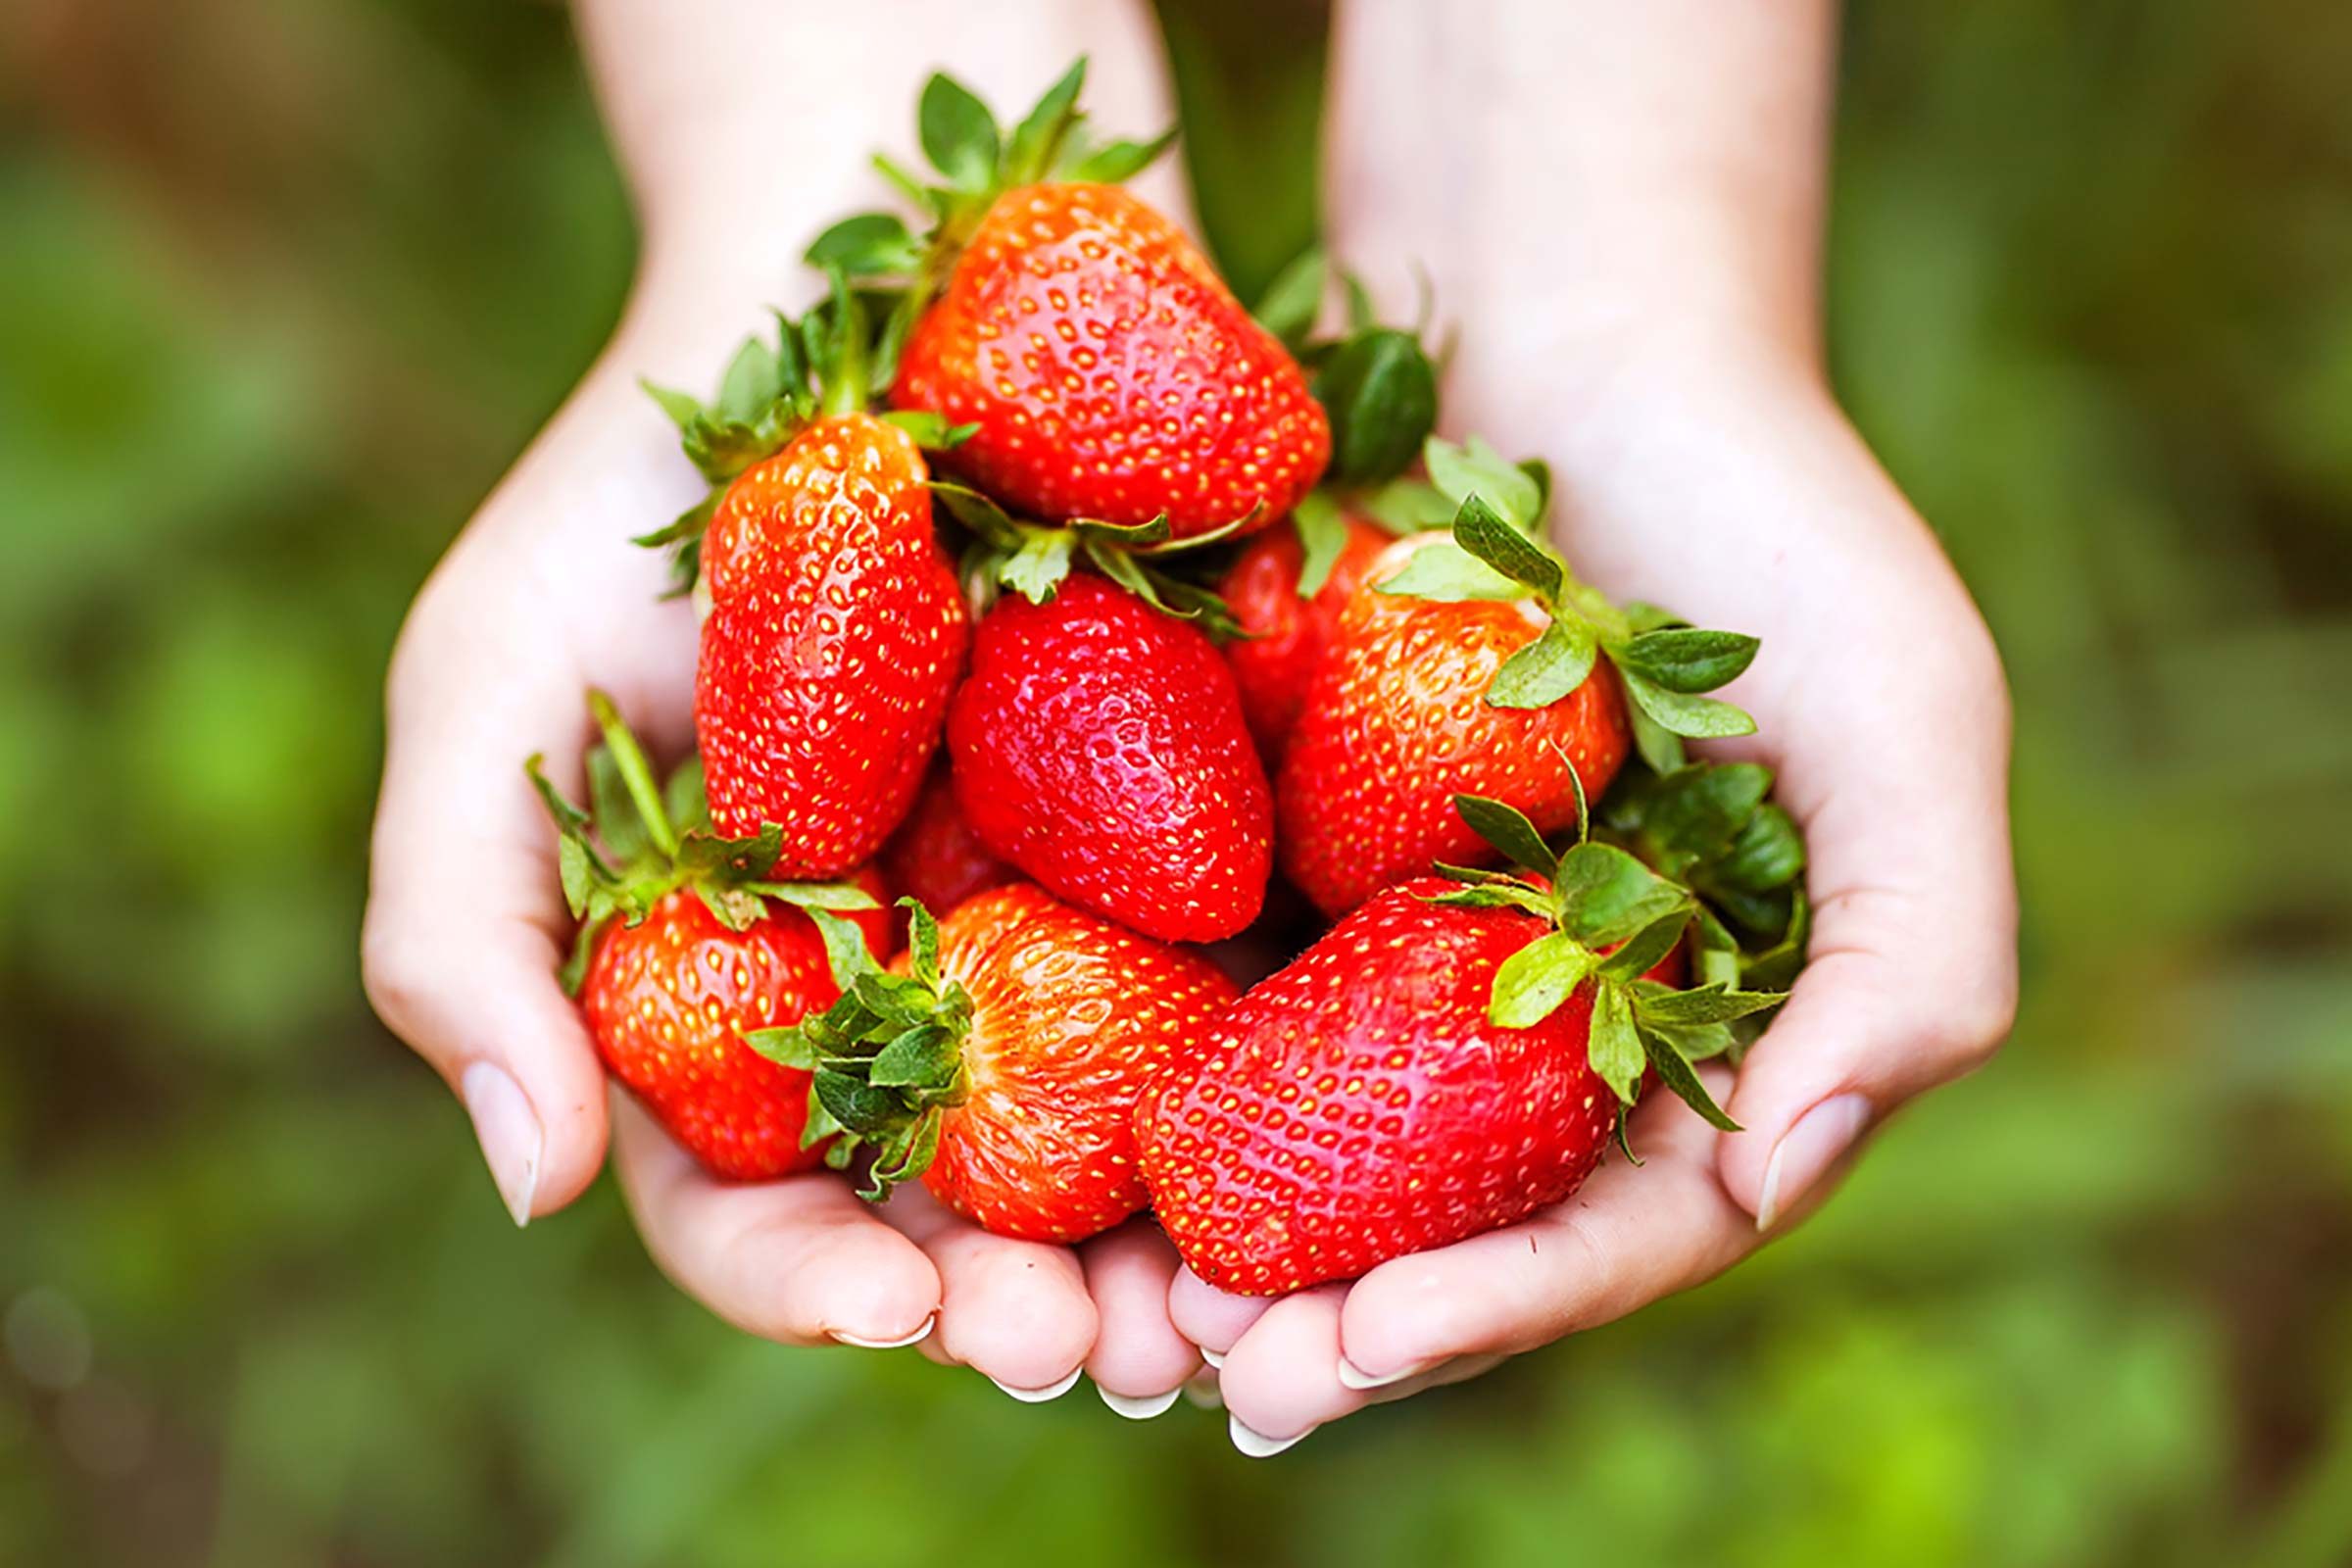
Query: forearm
{"type": "Point", "coordinates": [741, 126]}
{"type": "Point", "coordinates": [1584, 179]}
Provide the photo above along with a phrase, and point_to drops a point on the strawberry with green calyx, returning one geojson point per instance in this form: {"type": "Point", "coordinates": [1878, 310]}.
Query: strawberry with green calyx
{"type": "Point", "coordinates": [1000, 1060]}
{"type": "Point", "coordinates": [1107, 369]}
{"type": "Point", "coordinates": [834, 629]}
{"type": "Point", "coordinates": [821, 364]}
{"type": "Point", "coordinates": [1496, 555]}
{"type": "Point", "coordinates": [683, 944]}
{"type": "Point", "coordinates": [1714, 827]}
{"type": "Point", "coordinates": [1449, 1059]}
{"type": "Point", "coordinates": [1100, 746]}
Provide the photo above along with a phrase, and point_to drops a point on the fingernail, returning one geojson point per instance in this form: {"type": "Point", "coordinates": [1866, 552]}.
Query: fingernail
{"type": "Point", "coordinates": [1053, 1391]}
{"type": "Point", "coordinates": [1201, 1392]}
{"type": "Point", "coordinates": [1214, 1358]}
{"type": "Point", "coordinates": [1143, 1409]}
{"type": "Point", "coordinates": [1806, 1150]}
{"type": "Point", "coordinates": [1257, 1446]}
{"type": "Point", "coordinates": [916, 1338]}
{"type": "Point", "coordinates": [1355, 1376]}
{"type": "Point", "coordinates": [509, 1133]}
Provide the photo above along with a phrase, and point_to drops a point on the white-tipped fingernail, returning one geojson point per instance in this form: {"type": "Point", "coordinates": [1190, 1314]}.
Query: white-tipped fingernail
{"type": "Point", "coordinates": [1355, 1376]}
{"type": "Point", "coordinates": [1143, 1409]}
{"type": "Point", "coordinates": [1214, 1358]}
{"type": "Point", "coordinates": [509, 1131]}
{"type": "Point", "coordinates": [1052, 1390]}
{"type": "Point", "coordinates": [862, 1343]}
{"type": "Point", "coordinates": [1806, 1150]}
{"type": "Point", "coordinates": [1201, 1392]}
{"type": "Point", "coordinates": [1257, 1446]}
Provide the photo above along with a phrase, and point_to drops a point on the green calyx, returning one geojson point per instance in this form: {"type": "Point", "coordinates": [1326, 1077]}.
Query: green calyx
{"type": "Point", "coordinates": [642, 840]}
{"type": "Point", "coordinates": [975, 162]}
{"type": "Point", "coordinates": [1664, 663]}
{"type": "Point", "coordinates": [886, 1060]}
{"type": "Point", "coordinates": [1378, 391]}
{"type": "Point", "coordinates": [1031, 558]}
{"type": "Point", "coordinates": [830, 361]}
{"type": "Point", "coordinates": [1713, 828]}
{"type": "Point", "coordinates": [1611, 920]}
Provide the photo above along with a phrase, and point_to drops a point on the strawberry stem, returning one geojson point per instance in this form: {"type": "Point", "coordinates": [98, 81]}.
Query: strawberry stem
{"type": "Point", "coordinates": [635, 772]}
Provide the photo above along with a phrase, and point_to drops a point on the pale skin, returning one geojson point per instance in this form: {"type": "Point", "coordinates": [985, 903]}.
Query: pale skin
{"type": "Point", "coordinates": [1620, 209]}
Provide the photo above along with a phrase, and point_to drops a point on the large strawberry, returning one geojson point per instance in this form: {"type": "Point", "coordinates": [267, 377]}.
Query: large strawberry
{"type": "Point", "coordinates": [1286, 619]}
{"type": "Point", "coordinates": [1480, 666]}
{"type": "Point", "coordinates": [835, 628]}
{"type": "Point", "coordinates": [1104, 368]}
{"type": "Point", "coordinates": [683, 947]}
{"type": "Point", "coordinates": [1099, 744]}
{"type": "Point", "coordinates": [1449, 1059]}
{"type": "Point", "coordinates": [1001, 1058]}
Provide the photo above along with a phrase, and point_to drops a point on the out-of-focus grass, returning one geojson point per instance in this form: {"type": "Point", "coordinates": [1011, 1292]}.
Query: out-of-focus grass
{"type": "Point", "coordinates": [281, 288]}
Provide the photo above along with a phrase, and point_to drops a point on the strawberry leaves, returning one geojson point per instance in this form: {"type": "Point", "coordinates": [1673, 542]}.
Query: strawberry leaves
{"type": "Point", "coordinates": [1613, 919]}
{"type": "Point", "coordinates": [1033, 559]}
{"type": "Point", "coordinates": [655, 840]}
{"type": "Point", "coordinates": [886, 1059]}
{"type": "Point", "coordinates": [1665, 665]}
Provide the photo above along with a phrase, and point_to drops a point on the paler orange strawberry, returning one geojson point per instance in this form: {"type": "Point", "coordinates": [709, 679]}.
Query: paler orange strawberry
{"type": "Point", "coordinates": [1001, 1058]}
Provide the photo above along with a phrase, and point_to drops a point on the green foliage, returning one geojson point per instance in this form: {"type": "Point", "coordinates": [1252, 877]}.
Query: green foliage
{"type": "Point", "coordinates": [261, 350]}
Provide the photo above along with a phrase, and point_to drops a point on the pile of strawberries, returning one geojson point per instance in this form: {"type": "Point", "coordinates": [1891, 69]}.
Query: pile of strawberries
{"type": "Point", "coordinates": [1236, 670]}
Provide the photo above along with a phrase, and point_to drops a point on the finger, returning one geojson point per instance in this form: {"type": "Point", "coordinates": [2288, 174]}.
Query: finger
{"type": "Point", "coordinates": [1015, 1311]}
{"type": "Point", "coordinates": [1140, 1363]}
{"type": "Point", "coordinates": [1210, 1318]}
{"type": "Point", "coordinates": [1281, 1380]}
{"type": "Point", "coordinates": [1632, 1234]}
{"type": "Point", "coordinates": [1911, 978]}
{"type": "Point", "coordinates": [802, 1260]}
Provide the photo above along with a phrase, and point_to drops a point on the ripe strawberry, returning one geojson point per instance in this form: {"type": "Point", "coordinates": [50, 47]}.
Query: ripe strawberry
{"type": "Point", "coordinates": [1284, 633]}
{"type": "Point", "coordinates": [835, 636]}
{"type": "Point", "coordinates": [834, 627]}
{"type": "Point", "coordinates": [680, 952]}
{"type": "Point", "coordinates": [934, 858]}
{"type": "Point", "coordinates": [1111, 372]}
{"type": "Point", "coordinates": [1105, 370]}
{"type": "Point", "coordinates": [1002, 1057]}
{"type": "Point", "coordinates": [1449, 1059]}
{"type": "Point", "coordinates": [1480, 666]}
{"type": "Point", "coordinates": [1098, 746]}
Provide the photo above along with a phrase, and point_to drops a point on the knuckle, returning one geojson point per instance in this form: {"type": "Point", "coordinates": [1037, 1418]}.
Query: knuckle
{"type": "Point", "coordinates": [396, 972]}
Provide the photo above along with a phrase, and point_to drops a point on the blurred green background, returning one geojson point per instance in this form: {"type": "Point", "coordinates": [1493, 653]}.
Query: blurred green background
{"type": "Point", "coordinates": [285, 285]}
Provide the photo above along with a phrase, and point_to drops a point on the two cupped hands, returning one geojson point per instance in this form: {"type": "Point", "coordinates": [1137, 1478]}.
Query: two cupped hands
{"type": "Point", "coordinates": [1711, 471]}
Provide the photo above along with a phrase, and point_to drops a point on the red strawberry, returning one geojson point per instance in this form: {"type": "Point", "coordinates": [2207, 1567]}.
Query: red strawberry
{"type": "Point", "coordinates": [680, 954]}
{"type": "Point", "coordinates": [1098, 746]}
{"type": "Point", "coordinates": [1001, 1058]}
{"type": "Point", "coordinates": [1284, 634]}
{"type": "Point", "coordinates": [1111, 372]}
{"type": "Point", "coordinates": [1396, 724]}
{"type": "Point", "coordinates": [835, 635]}
{"type": "Point", "coordinates": [936, 859]}
{"type": "Point", "coordinates": [1448, 1059]}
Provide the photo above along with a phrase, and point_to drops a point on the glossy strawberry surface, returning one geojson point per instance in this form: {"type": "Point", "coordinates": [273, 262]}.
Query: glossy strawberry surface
{"type": "Point", "coordinates": [1286, 634]}
{"type": "Point", "coordinates": [1357, 1105]}
{"type": "Point", "coordinates": [1109, 370]}
{"type": "Point", "coordinates": [668, 1001]}
{"type": "Point", "coordinates": [835, 635]}
{"type": "Point", "coordinates": [1098, 746]}
{"type": "Point", "coordinates": [1396, 724]}
{"type": "Point", "coordinates": [1071, 1015]}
